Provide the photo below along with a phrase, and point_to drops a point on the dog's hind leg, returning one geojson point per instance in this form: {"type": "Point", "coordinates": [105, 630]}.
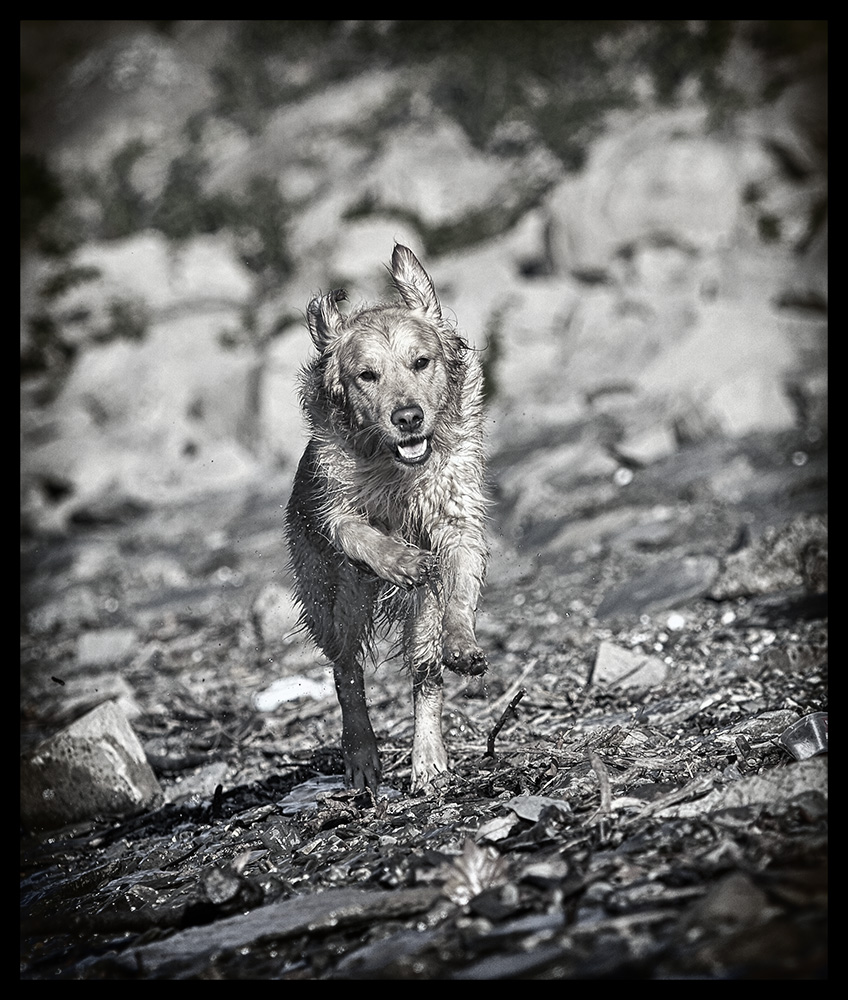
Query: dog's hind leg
{"type": "Point", "coordinates": [337, 611]}
{"type": "Point", "coordinates": [423, 655]}
{"type": "Point", "coordinates": [337, 602]}
{"type": "Point", "coordinates": [359, 745]}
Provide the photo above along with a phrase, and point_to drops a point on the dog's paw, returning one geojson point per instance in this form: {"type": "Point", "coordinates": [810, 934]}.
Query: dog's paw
{"type": "Point", "coordinates": [409, 567]}
{"type": "Point", "coordinates": [464, 659]}
{"type": "Point", "coordinates": [362, 766]}
{"type": "Point", "coordinates": [428, 762]}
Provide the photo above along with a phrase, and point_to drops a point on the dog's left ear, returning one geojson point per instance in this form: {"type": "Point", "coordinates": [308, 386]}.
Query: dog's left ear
{"type": "Point", "coordinates": [414, 284]}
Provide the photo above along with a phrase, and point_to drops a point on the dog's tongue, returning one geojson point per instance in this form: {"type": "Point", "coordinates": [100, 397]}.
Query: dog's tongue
{"type": "Point", "coordinates": [412, 451]}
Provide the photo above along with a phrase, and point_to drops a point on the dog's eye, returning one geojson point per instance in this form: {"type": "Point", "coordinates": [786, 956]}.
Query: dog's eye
{"type": "Point", "coordinates": [420, 364]}
{"type": "Point", "coordinates": [368, 375]}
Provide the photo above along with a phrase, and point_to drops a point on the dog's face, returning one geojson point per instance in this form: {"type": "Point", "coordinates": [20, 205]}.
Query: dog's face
{"type": "Point", "coordinates": [392, 371]}
{"type": "Point", "coordinates": [390, 374]}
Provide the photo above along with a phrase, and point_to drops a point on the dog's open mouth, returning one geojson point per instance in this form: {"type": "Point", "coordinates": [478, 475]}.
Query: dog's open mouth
{"type": "Point", "coordinates": [413, 451]}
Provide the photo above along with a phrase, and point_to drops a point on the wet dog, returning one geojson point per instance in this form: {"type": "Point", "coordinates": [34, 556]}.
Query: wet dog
{"type": "Point", "coordinates": [385, 524]}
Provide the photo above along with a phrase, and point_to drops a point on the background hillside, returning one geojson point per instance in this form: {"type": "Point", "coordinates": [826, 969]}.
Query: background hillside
{"type": "Point", "coordinates": [629, 216]}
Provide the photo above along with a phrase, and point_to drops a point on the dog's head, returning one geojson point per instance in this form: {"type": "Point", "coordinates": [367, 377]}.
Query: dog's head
{"type": "Point", "coordinates": [391, 374]}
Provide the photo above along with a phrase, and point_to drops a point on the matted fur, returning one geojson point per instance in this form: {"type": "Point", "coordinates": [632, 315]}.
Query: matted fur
{"type": "Point", "coordinates": [386, 517]}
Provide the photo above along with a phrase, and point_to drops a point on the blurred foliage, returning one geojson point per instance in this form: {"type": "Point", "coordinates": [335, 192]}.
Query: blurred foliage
{"type": "Point", "coordinates": [558, 76]}
{"type": "Point", "coordinates": [41, 194]}
{"type": "Point", "coordinates": [555, 78]}
{"type": "Point", "coordinates": [673, 51]}
{"type": "Point", "coordinates": [492, 353]}
{"type": "Point", "coordinates": [55, 335]}
{"type": "Point", "coordinates": [467, 230]}
{"type": "Point", "coordinates": [259, 218]}
{"type": "Point", "coordinates": [123, 209]}
{"type": "Point", "coordinates": [116, 208]}
{"type": "Point", "coordinates": [44, 349]}
{"type": "Point", "coordinates": [127, 319]}
{"type": "Point", "coordinates": [183, 209]}
{"type": "Point", "coordinates": [60, 282]}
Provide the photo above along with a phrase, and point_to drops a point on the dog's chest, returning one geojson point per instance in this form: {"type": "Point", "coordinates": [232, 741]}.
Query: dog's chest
{"type": "Point", "coordinates": [412, 507]}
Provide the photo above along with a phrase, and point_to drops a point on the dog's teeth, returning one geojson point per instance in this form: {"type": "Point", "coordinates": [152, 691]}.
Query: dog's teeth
{"type": "Point", "coordinates": [415, 450]}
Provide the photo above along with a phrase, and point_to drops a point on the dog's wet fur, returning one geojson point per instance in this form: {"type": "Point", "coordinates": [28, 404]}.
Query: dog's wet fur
{"type": "Point", "coordinates": [386, 518]}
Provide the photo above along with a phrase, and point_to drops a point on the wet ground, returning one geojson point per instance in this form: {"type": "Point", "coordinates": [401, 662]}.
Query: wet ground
{"type": "Point", "coordinates": [597, 823]}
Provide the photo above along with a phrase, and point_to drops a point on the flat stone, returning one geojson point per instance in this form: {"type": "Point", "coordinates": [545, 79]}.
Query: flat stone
{"type": "Point", "coordinates": [307, 914]}
{"type": "Point", "coordinates": [530, 807]}
{"type": "Point", "coordinates": [624, 668]}
{"type": "Point", "coordinates": [780, 784]}
{"type": "Point", "coordinates": [649, 445]}
{"type": "Point", "coordinates": [106, 647]}
{"type": "Point", "coordinates": [666, 585]}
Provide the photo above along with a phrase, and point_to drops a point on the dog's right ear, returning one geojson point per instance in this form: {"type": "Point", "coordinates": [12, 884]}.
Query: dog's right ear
{"type": "Point", "coordinates": [324, 318]}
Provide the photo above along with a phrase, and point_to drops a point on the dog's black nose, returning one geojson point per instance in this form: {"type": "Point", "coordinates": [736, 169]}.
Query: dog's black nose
{"type": "Point", "coordinates": [408, 418]}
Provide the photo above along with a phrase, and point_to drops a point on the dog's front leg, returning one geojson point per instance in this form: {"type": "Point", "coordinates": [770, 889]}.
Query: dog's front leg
{"type": "Point", "coordinates": [462, 560]}
{"type": "Point", "coordinates": [391, 559]}
{"type": "Point", "coordinates": [422, 654]}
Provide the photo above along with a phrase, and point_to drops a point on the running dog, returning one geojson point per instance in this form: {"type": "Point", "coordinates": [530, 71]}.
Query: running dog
{"type": "Point", "coordinates": [385, 524]}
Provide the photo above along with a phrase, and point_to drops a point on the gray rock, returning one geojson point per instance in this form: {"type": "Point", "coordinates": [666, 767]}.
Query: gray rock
{"type": "Point", "coordinates": [282, 431]}
{"type": "Point", "coordinates": [95, 768]}
{"type": "Point", "coordinates": [732, 365]}
{"type": "Point", "coordinates": [648, 446]}
{"type": "Point", "coordinates": [666, 585]}
{"type": "Point", "coordinates": [786, 557]}
{"type": "Point", "coordinates": [654, 174]}
{"type": "Point", "coordinates": [624, 668]}
{"type": "Point", "coordinates": [435, 174]}
{"type": "Point", "coordinates": [530, 807]}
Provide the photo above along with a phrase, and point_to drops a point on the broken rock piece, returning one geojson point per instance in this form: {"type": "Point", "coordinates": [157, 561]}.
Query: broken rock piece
{"type": "Point", "coordinates": [95, 768]}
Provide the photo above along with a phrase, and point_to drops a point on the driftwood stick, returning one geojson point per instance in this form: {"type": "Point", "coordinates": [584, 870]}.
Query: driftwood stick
{"type": "Point", "coordinates": [602, 774]}
{"type": "Point", "coordinates": [493, 735]}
